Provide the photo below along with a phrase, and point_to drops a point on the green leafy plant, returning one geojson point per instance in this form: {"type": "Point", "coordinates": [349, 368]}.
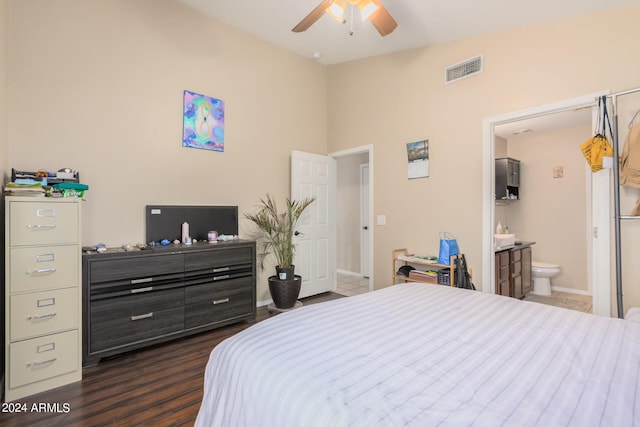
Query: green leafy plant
{"type": "Point", "coordinates": [275, 228]}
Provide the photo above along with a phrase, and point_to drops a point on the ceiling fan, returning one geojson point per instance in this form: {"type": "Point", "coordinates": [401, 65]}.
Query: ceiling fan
{"type": "Point", "coordinates": [373, 10]}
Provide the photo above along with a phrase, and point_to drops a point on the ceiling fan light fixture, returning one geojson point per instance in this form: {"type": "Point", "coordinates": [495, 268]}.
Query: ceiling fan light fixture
{"type": "Point", "coordinates": [367, 7]}
{"type": "Point", "coordinates": [336, 10]}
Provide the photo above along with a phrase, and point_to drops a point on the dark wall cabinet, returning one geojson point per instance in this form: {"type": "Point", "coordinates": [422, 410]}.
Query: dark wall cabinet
{"type": "Point", "coordinates": [513, 272]}
{"type": "Point", "coordinates": [135, 299]}
{"type": "Point", "coordinates": [507, 178]}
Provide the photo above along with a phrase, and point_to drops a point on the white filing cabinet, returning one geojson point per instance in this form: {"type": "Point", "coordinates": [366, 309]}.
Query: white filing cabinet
{"type": "Point", "coordinates": [43, 301]}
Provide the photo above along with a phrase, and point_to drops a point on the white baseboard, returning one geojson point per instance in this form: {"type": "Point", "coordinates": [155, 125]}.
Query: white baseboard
{"type": "Point", "coordinates": [570, 290]}
{"type": "Point", "coordinates": [348, 273]}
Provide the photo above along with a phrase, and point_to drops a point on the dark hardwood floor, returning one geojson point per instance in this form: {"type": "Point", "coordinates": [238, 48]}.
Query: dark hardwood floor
{"type": "Point", "coordinates": [157, 386]}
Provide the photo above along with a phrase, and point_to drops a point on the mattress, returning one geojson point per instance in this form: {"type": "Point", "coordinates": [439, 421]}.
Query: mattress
{"type": "Point", "coordinates": [426, 355]}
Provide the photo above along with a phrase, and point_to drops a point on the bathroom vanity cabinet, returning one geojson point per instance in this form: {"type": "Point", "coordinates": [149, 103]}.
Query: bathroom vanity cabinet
{"type": "Point", "coordinates": [513, 271]}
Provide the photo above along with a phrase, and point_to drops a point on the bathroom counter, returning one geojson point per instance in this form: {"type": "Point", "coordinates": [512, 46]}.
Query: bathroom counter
{"type": "Point", "coordinates": [519, 245]}
{"type": "Point", "coordinates": [513, 270]}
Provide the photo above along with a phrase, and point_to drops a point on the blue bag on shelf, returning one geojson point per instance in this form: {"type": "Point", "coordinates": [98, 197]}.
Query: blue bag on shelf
{"type": "Point", "coordinates": [448, 247]}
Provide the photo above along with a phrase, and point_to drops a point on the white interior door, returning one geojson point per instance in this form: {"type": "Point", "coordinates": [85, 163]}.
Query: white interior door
{"type": "Point", "coordinates": [314, 175]}
{"type": "Point", "coordinates": [365, 234]}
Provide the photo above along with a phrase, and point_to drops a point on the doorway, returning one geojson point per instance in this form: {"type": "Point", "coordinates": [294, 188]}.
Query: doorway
{"type": "Point", "coordinates": [598, 244]}
{"type": "Point", "coordinates": [354, 240]}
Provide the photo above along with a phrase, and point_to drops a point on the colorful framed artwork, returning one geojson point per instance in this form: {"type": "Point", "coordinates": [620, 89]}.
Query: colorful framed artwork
{"type": "Point", "coordinates": [203, 122]}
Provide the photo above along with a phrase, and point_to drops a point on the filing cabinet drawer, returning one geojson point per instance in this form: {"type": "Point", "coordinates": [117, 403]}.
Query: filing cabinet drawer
{"type": "Point", "coordinates": [43, 313]}
{"type": "Point", "coordinates": [41, 358]}
{"type": "Point", "coordinates": [34, 223]}
{"type": "Point", "coordinates": [38, 268]}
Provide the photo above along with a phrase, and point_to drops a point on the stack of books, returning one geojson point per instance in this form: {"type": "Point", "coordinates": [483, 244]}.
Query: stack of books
{"type": "Point", "coordinates": [428, 276]}
{"type": "Point", "coordinates": [16, 189]}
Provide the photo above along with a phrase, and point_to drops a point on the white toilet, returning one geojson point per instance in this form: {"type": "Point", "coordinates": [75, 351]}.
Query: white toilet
{"type": "Point", "coordinates": [542, 273]}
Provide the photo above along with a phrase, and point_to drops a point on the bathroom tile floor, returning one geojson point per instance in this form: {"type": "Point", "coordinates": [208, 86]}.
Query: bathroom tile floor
{"type": "Point", "coordinates": [350, 285]}
{"type": "Point", "coordinates": [565, 300]}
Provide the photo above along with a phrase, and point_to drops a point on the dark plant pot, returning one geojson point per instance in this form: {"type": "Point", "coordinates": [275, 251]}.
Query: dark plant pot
{"type": "Point", "coordinates": [284, 292]}
{"type": "Point", "coordinates": [285, 273]}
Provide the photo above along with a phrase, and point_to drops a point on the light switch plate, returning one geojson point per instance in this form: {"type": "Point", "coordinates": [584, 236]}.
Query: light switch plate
{"type": "Point", "coordinates": [381, 220]}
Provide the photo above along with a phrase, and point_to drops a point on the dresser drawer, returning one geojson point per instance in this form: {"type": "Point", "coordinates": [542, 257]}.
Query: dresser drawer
{"type": "Point", "coordinates": [37, 268]}
{"type": "Point", "coordinates": [127, 320]}
{"type": "Point", "coordinates": [218, 258]}
{"type": "Point", "coordinates": [215, 302]}
{"type": "Point", "coordinates": [134, 269]}
{"type": "Point", "coordinates": [34, 223]}
{"type": "Point", "coordinates": [44, 312]}
{"type": "Point", "coordinates": [41, 358]}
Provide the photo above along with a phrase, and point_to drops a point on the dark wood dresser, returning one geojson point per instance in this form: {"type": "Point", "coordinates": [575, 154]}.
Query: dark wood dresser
{"type": "Point", "coordinates": [133, 299]}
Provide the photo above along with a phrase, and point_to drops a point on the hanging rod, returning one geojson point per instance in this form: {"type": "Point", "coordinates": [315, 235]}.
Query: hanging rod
{"type": "Point", "coordinates": [624, 92]}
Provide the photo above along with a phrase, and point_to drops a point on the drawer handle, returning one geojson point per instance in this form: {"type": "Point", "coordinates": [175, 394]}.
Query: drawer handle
{"type": "Point", "coordinates": [41, 226]}
{"type": "Point", "coordinates": [44, 362]}
{"type": "Point", "coordinates": [41, 316]}
{"type": "Point", "coordinates": [145, 280]}
{"type": "Point", "coordinates": [41, 271]}
{"type": "Point", "coordinates": [221, 269]}
{"type": "Point", "coordinates": [142, 316]}
{"type": "Point", "coordinates": [221, 301]}
{"type": "Point", "coordinates": [226, 276]}
{"type": "Point", "coordinates": [46, 212]}
{"type": "Point", "coordinates": [137, 291]}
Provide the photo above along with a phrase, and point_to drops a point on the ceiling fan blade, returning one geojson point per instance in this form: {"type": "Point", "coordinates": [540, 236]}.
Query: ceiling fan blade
{"type": "Point", "coordinates": [311, 18]}
{"type": "Point", "coordinates": [382, 19]}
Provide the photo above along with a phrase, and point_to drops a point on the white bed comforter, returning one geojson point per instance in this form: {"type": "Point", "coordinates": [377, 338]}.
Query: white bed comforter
{"type": "Point", "coordinates": [426, 355]}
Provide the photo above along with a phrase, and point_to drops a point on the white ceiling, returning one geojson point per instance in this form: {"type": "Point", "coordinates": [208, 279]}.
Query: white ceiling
{"type": "Point", "coordinates": [546, 123]}
{"type": "Point", "coordinates": [420, 22]}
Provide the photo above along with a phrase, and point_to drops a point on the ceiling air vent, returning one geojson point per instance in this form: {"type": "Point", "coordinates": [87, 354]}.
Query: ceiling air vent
{"type": "Point", "coordinates": [463, 69]}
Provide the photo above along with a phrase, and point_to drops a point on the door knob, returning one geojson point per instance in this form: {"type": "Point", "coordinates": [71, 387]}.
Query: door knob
{"type": "Point", "coordinates": [365, 228]}
{"type": "Point", "coordinates": [297, 233]}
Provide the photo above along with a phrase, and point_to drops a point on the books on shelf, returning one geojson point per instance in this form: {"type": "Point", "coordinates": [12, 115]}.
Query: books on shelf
{"type": "Point", "coordinates": [14, 189]}
{"type": "Point", "coordinates": [428, 276]}
{"type": "Point", "coordinates": [419, 259]}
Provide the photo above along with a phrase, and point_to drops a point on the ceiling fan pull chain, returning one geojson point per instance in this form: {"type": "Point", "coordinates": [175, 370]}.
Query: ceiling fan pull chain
{"type": "Point", "coordinates": [351, 20]}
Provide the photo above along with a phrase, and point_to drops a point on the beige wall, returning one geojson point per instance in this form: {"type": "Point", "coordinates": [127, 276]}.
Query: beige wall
{"type": "Point", "coordinates": [4, 86]}
{"type": "Point", "coordinates": [553, 211]}
{"type": "Point", "coordinates": [400, 98]}
{"type": "Point", "coordinates": [348, 211]}
{"type": "Point", "coordinates": [97, 86]}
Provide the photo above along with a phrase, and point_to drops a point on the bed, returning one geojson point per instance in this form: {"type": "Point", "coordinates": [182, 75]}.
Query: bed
{"type": "Point", "coordinates": [426, 355]}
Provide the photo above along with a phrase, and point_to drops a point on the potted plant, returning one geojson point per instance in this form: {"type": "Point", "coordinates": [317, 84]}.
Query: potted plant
{"type": "Point", "coordinates": [275, 235]}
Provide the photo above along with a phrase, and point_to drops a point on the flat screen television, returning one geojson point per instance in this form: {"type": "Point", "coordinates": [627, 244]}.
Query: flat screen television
{"type": "Point", "coordinates": [165, 222]}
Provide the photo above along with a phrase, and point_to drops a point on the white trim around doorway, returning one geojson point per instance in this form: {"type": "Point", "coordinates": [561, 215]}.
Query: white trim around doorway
{"type": "Point", "coordinates": [358, 150]}
{"type": "Point", "coordinates": [600, 275]}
